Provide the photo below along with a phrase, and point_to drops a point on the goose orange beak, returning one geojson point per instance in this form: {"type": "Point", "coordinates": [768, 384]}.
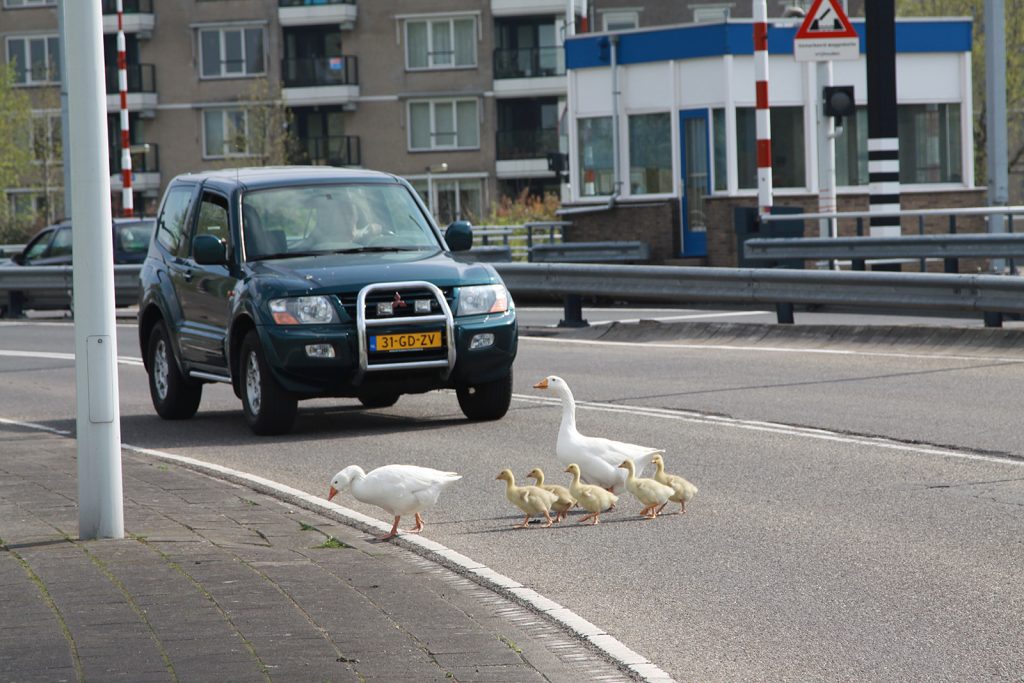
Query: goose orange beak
{"type": "Point", "coordinates": [543, 384]}
{"type": "Point", "coordinates": [332, 493]}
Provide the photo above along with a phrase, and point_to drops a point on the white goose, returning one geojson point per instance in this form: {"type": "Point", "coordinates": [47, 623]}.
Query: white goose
{"type": "Point", "coordinates": [396, 489]}
{"type": "Point", "coordinates": [598, 458]}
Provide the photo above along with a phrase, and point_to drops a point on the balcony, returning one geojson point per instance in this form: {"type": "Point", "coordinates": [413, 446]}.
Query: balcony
{"type": "Point", "coordinates": [511, 8]}
{"type": "Point", "coordinates": [141, 88]}
{"type": "Point", "coordinates": [317, 12]}
{"type": "Point", "coordinates": [532, 71]}
{"type": "Point", "coordinates": [523, 153]}
{"type": "Point", "coordinates": [145, 167]}
{"type": "Point", "coordinates": [138, 17]}
{"type": "Point", "coordinates": [320, 80]}
{"type": "Point", "coordinates": [333, 150]}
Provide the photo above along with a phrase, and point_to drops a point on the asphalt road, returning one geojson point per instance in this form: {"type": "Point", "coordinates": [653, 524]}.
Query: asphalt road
{"type": "Point", "coordinates": [860, 515]}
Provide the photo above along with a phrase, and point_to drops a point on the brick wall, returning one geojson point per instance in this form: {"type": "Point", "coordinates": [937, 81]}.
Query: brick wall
{"type": "Point", "coordinates": [658, 223]}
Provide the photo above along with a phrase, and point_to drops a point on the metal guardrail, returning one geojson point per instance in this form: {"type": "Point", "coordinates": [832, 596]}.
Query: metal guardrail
{"type": "Point", "coordinates": [591, 252]}
{"type": "Point", "coordinates": [991, 295]}
{"type": "Point", "coordinates": [981, 245]}
{"type": "Point", "coordinates": [50, 288]}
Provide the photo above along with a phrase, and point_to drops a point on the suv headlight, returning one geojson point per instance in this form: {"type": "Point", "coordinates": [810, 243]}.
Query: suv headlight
{"type": "Point", "coordinates": [303, 310]}
{"type": "Point", "coordinates": [483, 299]}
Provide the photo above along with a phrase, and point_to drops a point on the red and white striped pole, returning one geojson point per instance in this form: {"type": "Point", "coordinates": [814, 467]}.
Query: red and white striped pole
{"type": "Point", "coordinates": [127, 204]}
{"type": "Point", "coordinates": [763, 113]}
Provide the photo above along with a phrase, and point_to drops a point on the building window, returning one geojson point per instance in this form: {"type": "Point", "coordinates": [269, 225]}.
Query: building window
{"type": "Point", "coordinates": [852, 150]}
{"type": "Point", "coordinates": [36, 60]}
{"type": "Point", "coordinates": [718, 132]}
{"type": "Point", "coordinates": [440, 43]}
{"type": "Point", "coordinates": [595, 156]}
{"type": "Point", "coordinates": [453, 199]}
{"type": "Point", "coordinates": [930, 143]}
{"type": "Point", "coordinates": [650, 154]}
{"type": "Point", "coordinates": [443, 124]}
{"type": "Point", "coordinates": [29, 3]}
{"type": "Point", "coordinates": [621, 20]}
{"type": "Point", "coordinates": [788, 169]}
{"type": "Point", "coordinates": [231, 52]}
{"type": "Point", "coordinates": [225, 133]}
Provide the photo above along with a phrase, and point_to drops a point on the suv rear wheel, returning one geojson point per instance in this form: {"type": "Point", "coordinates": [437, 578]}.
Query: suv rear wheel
{"type": "Point", "coordinates": [486, 401]}
{"type": "Point", "coordinates": [175, 397]}
{"type": "Point", "coordinates": [268, 408]}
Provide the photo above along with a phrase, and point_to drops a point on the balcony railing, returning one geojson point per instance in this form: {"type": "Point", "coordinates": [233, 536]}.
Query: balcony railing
{"type": "Point", "coordinates": [303, 73]}
{"type": "Point", "coordinates": [145, 159]}
{"type": "Point", "coordinates": [128, 6]}
{"type": "Point", "coordinates": [526, 144]}
{"type": "Point", "coordinates": [332, 150]}
{"type": "Point", "coordinates": [141, 78]}
{"type": "Point", "coordinates": [529, 62]}
{"type": "Point", "coordinates": [312, 3]}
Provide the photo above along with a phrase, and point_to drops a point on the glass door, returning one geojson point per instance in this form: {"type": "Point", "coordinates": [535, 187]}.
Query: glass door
{"type": "Point", "coordinates": [695, 167]}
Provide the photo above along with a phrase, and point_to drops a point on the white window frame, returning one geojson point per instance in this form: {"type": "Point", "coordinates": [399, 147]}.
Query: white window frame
{"type": "Point", "coordinates": [433, 133]}
{"type": "Point", "coordinates": [26, 51]}
{"type": "Point", "coordinates": [430, 22]}
{"type": "Point", "coordinates": [631, 16]}
{"type": "Point", "coordinates": [221, 44]}
{"type": "Point", "coordinates": [426, 186]}
{"type": "Point", "coordinates": [225, 147]}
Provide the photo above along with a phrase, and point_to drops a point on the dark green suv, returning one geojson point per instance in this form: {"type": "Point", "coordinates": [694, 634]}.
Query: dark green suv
{"type": "Point", "coordinates": [301, 282]}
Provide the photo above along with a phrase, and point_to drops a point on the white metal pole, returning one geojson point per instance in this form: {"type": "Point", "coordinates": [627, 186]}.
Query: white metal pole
{"type": "Point", "coordinates": [100, 497]}
{"type": "Point", "coordinates": [995, 117]}
{"type": "Point", "coordinates": [826, 154]}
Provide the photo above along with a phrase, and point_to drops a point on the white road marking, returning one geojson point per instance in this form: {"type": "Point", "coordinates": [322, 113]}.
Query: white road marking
{"type": "Point", "coordinates": [53, 355]}
{"type": "Point", "coordinates": [771, 349]}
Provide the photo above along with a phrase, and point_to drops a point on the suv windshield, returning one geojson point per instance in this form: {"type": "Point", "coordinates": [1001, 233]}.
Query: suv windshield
{"type": "Point", "coordinates": [302, 221]}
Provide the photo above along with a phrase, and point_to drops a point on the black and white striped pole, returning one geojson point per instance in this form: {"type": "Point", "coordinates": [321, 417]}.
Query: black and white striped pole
{"type": "Point", "coordinates": [883, 128]}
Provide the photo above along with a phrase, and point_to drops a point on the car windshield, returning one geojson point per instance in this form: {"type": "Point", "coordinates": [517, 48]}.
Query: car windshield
{"type": "Point", "coordinates": [351, 218]}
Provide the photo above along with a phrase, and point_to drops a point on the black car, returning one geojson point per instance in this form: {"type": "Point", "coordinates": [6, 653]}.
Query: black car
{"type": "Point", "coordinates": [301, 282]}
{"type": "Point", "coordinates": [51, 246]}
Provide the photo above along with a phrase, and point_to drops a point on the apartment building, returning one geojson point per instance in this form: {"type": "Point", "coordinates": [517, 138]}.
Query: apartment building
{"type": "Point", "coordinates": [465, 98]}
{"type": "Point", "coordinates": [459, 96]}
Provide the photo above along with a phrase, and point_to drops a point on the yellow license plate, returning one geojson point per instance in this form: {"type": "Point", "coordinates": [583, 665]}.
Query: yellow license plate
{"type": "Point", "coordinates": [412, 341]}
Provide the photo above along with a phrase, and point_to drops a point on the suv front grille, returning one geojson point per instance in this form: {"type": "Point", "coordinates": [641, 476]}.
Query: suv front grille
{"type": "Point", "coordinates": [408, 296]}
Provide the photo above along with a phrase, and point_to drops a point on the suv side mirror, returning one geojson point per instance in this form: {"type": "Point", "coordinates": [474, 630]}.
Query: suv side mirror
{"type": "Point", "coordinates": [459, 236]}
{"type": "Point", "coordinates": [209, 250]}
{"type": "Point", "coordinates": [18, 258]}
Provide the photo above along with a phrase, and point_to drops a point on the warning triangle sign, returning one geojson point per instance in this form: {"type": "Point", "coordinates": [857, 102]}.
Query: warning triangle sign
{"type": "Point", "coordinates": [826, 19]}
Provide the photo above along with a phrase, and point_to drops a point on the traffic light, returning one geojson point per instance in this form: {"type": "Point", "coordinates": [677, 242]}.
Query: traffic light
{"type": "Point", "coordinates": [839, 101]}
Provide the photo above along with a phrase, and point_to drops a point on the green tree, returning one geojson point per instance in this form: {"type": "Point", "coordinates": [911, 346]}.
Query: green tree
{"type": "Point", "coordinates": [15, 153]}
{"type": "Point", "coordinates": [268, 137]}
{"type": "Point", "coordinates": [1014, 27]}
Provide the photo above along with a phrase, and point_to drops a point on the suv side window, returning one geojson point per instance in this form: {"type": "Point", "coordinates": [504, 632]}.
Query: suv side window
{"type": "Point", "coordinates": [171, 223]}
{"type": "Point", "coordinates": [213, 216]}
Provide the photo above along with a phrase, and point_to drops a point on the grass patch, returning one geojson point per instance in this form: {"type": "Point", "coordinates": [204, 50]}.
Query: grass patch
{"type": "Point", "coordinates": [332, 542]}
{"type": "Point", "coordinates": [511, 645]}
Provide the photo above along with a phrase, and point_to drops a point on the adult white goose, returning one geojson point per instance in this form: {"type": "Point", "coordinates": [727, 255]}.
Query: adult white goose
{"type": "Point", "coordinates": [397, 489]}
{"type": "Point", "coordinates": [598, 458]}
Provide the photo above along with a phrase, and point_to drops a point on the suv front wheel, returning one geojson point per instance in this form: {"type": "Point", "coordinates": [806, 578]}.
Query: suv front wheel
{"type": "Point", "coordinates": [268, 408]}
{"type": "Point", "coordinates": [486, 401]}
{"type": "Point", "coordinates": [175, 397]}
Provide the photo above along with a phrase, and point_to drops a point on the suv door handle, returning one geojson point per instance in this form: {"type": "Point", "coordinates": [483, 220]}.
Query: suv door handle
{"type": "Point", "coordinates": [186, 275]}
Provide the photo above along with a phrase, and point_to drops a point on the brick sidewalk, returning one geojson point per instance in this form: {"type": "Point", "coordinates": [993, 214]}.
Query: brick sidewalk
{"type": "Point", "coordinates": [216, 582]}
